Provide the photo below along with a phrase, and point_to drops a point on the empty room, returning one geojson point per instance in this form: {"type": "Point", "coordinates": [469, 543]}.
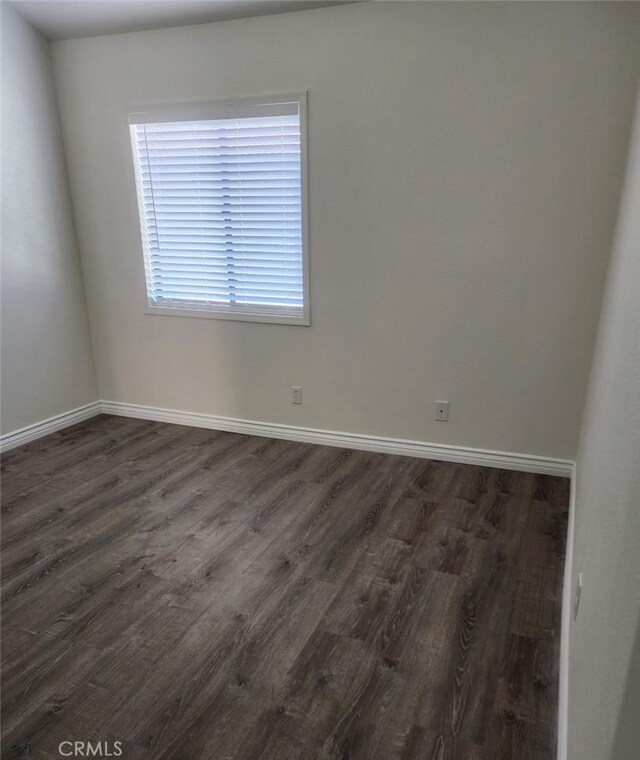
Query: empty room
{"type": "Point", "coordinates": [320, 380]}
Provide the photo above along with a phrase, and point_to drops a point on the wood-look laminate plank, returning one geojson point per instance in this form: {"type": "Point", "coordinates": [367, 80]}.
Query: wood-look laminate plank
{"type": "Point", "coordinates": [202, 595]}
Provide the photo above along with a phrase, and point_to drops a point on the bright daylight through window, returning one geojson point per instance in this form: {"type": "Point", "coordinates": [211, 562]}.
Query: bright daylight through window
{"type": "Point", "coordinates": [221, 196]}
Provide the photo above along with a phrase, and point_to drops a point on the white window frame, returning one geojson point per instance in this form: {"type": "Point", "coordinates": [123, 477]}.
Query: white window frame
{"type": "Point", "coordinates": [219, 110]}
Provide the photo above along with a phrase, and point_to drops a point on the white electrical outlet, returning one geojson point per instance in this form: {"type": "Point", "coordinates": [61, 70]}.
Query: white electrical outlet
{"type": "Point", "coordinates": [296, 394]}
{"type": "Point", "coordinates": [576, 598]}
{"type": "Point", "coordinates": [441, 411]}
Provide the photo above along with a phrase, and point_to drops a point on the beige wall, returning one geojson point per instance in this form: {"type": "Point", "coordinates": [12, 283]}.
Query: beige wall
{"type": "Point", "coordinates": [465, 168]}
{"type": "Point", "coordinates": [604, 698]}
{"type": "Point", "coordinates": [47, 366]}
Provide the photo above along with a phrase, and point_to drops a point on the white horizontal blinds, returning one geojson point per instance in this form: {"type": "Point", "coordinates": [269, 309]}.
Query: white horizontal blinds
{"type": "Point", "coordinates": [220, 207]}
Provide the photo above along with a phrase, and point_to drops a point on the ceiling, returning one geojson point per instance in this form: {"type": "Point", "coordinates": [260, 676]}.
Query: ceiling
{"type": "Point", "coordinates": [66, 19]}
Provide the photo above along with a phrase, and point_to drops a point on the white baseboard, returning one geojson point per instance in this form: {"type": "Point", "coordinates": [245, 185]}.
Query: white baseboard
{"type": "Point", "coordinates": [565, 630]}
{"type": "Point", "coordinates": [423, 449]}
{"type": "Point", "coordinates": [484, 457]}
{"type": "Point", "coordinates": [50, 425]}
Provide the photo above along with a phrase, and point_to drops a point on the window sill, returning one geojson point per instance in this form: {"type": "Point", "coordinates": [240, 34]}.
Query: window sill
{"type": "Point", "coordinates": [235, 316]}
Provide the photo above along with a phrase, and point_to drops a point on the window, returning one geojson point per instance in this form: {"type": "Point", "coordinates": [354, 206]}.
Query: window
{"type": "Point", "coordinates": [221, 198]}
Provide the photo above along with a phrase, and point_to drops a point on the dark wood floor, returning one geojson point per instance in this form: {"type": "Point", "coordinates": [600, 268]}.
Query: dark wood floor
{"type": "Point", "coordinates": [205, 595]}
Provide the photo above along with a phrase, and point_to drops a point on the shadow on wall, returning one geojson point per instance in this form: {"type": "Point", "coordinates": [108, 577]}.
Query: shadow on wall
{"type": "Point", "coordinates": [627, 739]}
